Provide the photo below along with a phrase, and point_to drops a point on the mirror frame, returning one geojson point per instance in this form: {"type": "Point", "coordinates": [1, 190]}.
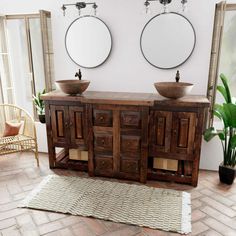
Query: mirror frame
{"type": "Point", "coordinates": [167, 68]}
{"type": "Point", "coordinates": [89, 67]}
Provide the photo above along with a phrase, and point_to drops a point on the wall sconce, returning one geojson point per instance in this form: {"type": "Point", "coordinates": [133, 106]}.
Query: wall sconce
{"type": "Point", "coordinates": [165, 5]}
{"type": "Point", "coordinates": [79, 6]}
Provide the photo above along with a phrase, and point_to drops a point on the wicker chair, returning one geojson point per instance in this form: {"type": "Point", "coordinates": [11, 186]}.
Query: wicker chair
{"type": "Point", "coordinates": [26, 139]}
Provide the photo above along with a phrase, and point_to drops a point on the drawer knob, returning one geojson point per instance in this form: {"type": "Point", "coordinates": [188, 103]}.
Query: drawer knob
{"type": "Point", "coordinates": [103, 162]}
{"type": "Point", "coordinates": [103, 141]}
{"type": "Point", "coordinates": [101, 118]}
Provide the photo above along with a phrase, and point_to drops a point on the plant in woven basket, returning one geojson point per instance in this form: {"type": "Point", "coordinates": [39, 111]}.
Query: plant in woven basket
{"type": "Point", "coordinates": [226, 112]}
{"type": "Point", "coordinates": [40, 106]}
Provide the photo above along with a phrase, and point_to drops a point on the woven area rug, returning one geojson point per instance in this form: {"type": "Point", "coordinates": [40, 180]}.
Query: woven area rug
{"type": "Point", "coordinates": [155, 208]}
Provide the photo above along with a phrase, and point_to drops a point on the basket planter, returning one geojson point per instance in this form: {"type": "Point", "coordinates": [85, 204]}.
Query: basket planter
{"type": "Point", "coordinates": [226, 174]}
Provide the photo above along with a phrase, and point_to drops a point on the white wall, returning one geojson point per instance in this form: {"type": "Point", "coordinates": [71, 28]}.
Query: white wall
{"type": "Point", "coordinates": [126, 69]}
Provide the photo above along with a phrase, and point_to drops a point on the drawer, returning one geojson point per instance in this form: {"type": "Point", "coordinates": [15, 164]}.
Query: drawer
{"type": "Point", "coordinates": [130, 119]}
{"type": "Point", "coordinates": [130, 143]}
{"type": "Point", "coordinates": [129, 166]}
{"type": "Point", "coordinates": [103, 164]}
{"type": "Point", "coordinates": [103, 142]}
{"type": "Point", "coordinates": [102, 118]}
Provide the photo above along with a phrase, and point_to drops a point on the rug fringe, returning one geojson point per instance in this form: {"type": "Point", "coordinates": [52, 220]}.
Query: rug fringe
{"type": "Point", "coordinates": [186, 213]}
{"type": "Point", "coordinates": [35, 191]}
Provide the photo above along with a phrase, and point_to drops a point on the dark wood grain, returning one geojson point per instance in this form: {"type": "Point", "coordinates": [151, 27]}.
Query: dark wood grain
{"type": "Point", "coordinates": [123, 132]}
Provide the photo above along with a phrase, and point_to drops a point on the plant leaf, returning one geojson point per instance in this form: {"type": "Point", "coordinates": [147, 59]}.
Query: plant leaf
{"type": "Point", "coordinates": [230, 113]}
{"type": "Point", "coordinates": [233, 142]}
{"type": "Point", "coordinates": [210, 133]}
{"type": "Point", "coordinates": [225, 83]}
{"type": "Point", "coordinates": [219, 111]}
{"type": "Point", "coordinates": [222, 90]}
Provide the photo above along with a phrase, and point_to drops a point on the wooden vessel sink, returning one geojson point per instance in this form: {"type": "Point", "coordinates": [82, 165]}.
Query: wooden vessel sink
{"type": "Point", "coordinates": [73, 87]}
{"type": "Point", "coordinates": [173, 89]}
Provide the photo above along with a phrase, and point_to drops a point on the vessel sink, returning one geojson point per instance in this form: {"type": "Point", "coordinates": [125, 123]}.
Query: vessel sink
{"type": "Point", "coordinates": [173, 89]}
{"type": "Point", "coordinates": [73, 87]}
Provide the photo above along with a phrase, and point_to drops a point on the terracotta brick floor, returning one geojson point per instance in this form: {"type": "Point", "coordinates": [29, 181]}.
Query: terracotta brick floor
{"type": "Point", "coordinates": [213, 205]}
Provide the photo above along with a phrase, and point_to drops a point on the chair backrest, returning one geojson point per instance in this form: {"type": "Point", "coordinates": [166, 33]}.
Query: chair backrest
{"type": "Point", "coordinates": [14, 114]}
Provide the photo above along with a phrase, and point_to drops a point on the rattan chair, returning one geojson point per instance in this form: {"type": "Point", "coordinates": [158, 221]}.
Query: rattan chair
{"type": "Point", "coordinates": [26, 140]}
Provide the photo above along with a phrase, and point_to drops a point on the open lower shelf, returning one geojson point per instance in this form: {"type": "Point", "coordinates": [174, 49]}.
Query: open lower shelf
{"type": "Point", "coordinates": [168, 176]}
{"type": "Point", "coordinates": [63, 161]}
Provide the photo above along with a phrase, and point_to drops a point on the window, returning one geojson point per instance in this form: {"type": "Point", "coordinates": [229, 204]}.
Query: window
{"type": "Point", "coordinates": [26, 63]}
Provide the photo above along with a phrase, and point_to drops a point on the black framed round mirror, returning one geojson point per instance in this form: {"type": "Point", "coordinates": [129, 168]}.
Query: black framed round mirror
{"type": "Point", "coordinates": [167, 40]}
{"type": "Point", "coordinates": [88, 41]}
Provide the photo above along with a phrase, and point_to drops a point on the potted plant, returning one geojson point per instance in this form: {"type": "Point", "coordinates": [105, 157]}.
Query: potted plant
{"type": "Point", "coordinates": [226, 112]}
{"type": "Point", "coordinates": [40, 107]}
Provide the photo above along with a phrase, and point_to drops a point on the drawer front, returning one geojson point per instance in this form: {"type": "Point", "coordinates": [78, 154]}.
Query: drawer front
{"type": "Point", "coordinates": [103, 142]}
{"type": "Point", "coordinates": [103, 165]}
{"type": "Point", "coordinates": [130, 119]}
{"type": "Point", "coordinates": [130, 166]}
{"type": "Point", "coordinates": [102, 118]}
{"type": "Point", "coordinates": [130, 143]}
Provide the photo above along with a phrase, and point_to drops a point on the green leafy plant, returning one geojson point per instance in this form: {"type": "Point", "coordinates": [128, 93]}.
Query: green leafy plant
{"type": "Point", "coordinates": [226, 112]}
{"type": "Point", "coordinates": [39, 103]}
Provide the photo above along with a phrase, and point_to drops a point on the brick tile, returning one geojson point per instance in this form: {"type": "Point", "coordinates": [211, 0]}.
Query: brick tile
{"type": "Point", "coordinates": [196, 203]}
{"type": "Point", "coordinates": [219, 227]}
{"type": "Point", "coordinates": [211, 233]}
{"type": "Point", "coordinates": [82, 229]}
{"type": "Point", "coordinates": [70, 220]}
{"type": "Point", "coordinates": [12, 231]}
{"type": "Point", "coordinates": [20, 196]}
{"type": "Point", "coordinates": [197, 215]}
{"type": "Point", "coordinates": [225, 200]}
{"type": "Point", "coordinates": [198, 228]}
{"type": "Point", "coordinates": [220, 217]}
{"type": "Point", "coordinates": [9, 206]}
{"type": "Point", "coordinates": [26, 225]}
{"type": "Point", "coordinates": [40, 217]}
{"type": "Point", "coordinates": [7, 223]}
{"type": "Point", "coordinates": [65, 232]}
{"type": "Point", "coordinates": [206, 192]}
{"type": "Point", "coordinates": [5, 196]}
{"type": "Point", "coordinates": [11, 213]}
{"type": "Point", "coordinates": [127, 231]}
{"type": "Point", "coordinates": [20, 171]}
{"type": "Point", "coordinates": [96, 226]}
{"type": "Point", "coordinates": [13, 187]}
{"type": "Point", "coordinates": [153, 232]}
{"type": "Point", "coordinates": [50, 227]}
{"type": "Point", "coordinates": [220, 207]}
{"type": "Point", "coordinates": [56, 216]}
{"type": "Point", "coordinates": [195, 194]}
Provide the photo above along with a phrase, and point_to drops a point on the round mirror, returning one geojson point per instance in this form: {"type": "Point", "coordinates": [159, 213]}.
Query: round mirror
{"type": "Point", "coordinates": [88, 41]}
{"type": "Point", "coordinates": [167, 40]}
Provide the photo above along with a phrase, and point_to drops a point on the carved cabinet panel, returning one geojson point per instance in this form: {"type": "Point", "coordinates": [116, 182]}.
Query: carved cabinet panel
{"type": "Point", "coordinates": [117, 141]}
{"type": "Point", "coordinates": [172, 132]}
{"type": "Point", "coordinates": [68, 125]}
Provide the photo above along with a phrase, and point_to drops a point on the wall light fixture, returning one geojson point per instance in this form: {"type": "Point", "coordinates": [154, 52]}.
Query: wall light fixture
{"type": "Point", "coordinates": [165, 4]}
{"type": "Point", "coordinates": [79, 6]}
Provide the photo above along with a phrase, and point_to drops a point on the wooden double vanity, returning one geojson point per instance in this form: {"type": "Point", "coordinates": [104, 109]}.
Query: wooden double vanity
{"type": "Point", "coordinates": [125, 132]}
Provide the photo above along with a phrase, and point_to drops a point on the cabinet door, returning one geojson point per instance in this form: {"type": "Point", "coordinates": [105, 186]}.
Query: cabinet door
{"type": "Point", "coordinates": [160, 131]}
{"type": "Point", "coordinates": [77, 124]}
{"type": "Point", "coordinates": [59, 119]}
{"type": "Point", "coordinates": [183, 132]}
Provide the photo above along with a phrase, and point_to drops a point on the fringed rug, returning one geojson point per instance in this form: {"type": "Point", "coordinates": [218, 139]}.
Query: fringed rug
{"type": "Point", "coordinates": [140, 205]}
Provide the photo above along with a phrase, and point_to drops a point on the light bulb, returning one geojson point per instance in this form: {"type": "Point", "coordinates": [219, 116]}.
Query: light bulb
{"type": "Point", "coordinates": [184, 5]}
{"type": "Point", "coordinates": [95, 6]}
{"type": "Point", "coordinates": [146, 9]}
{"type": "Point", "coordinates": [64, 10]}
{"type": "Point", "coordinates": [165, 8]}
